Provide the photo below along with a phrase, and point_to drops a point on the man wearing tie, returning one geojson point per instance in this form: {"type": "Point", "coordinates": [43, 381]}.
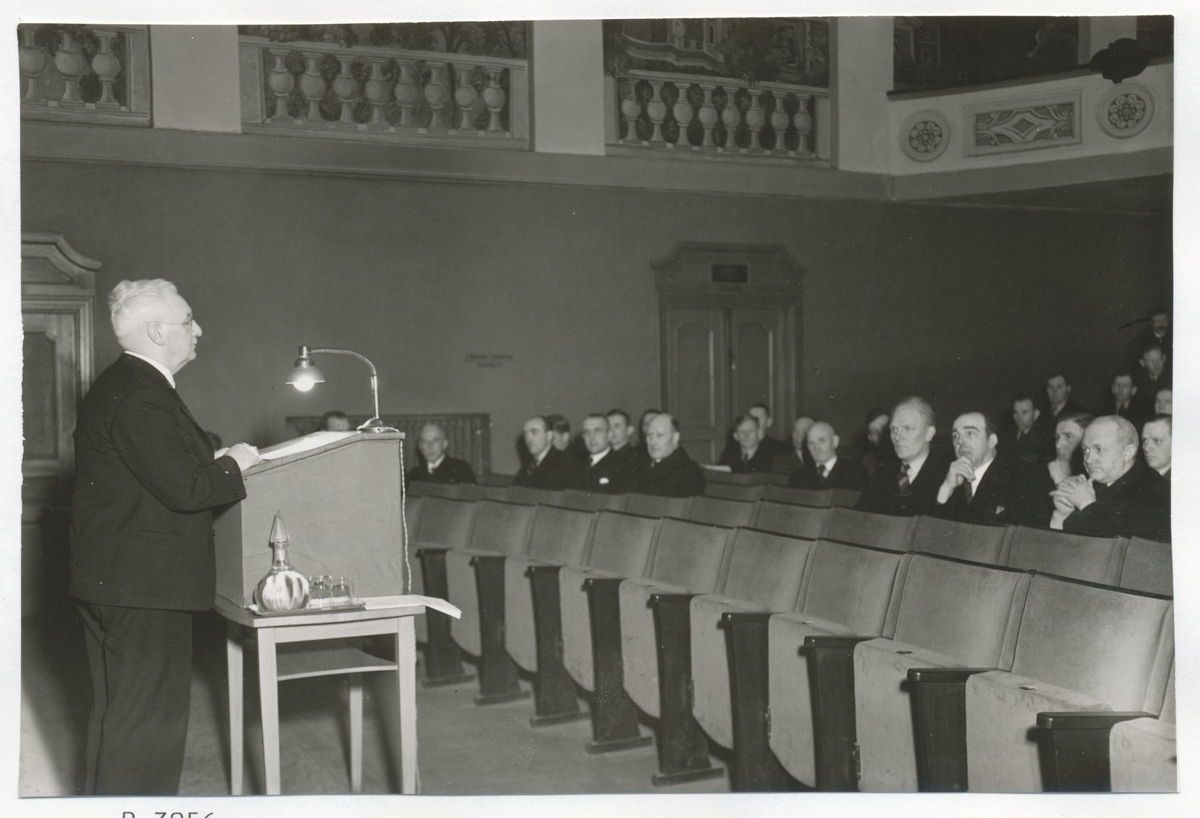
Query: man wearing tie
{"type": "Point", "coordinates": [604, 472]}
{"type": "Point", "coordinates": [749, 455]}
{"type": "Point", "coordinates": [438, 467]}
{"type": "Point", "coordinates": [828, 471]}
{"type": "Point", "coordinates": [909, 485]}
{"type": "Point", "coordinates": [547, 467]}
{"type": "Point", "coordinates": [975, 489]}
{"type": "Point", "coordinates": [142, 558]}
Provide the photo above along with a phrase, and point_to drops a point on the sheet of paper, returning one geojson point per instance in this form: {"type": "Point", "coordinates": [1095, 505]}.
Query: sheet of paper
{"type": "Point", "coordinates": [376, 602]}
{"type": "Point", "coordinates": [303, 444]}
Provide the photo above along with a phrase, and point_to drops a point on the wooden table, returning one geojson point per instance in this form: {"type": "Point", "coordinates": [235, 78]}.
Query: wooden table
{"type": "Point", "coordinates": [392, 616]}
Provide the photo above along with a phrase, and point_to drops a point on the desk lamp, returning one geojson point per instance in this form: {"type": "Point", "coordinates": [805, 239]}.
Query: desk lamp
{"type": "Point", "coordinates": [305, 376]}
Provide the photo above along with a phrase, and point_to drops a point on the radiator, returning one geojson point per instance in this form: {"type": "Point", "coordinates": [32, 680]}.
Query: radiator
{"type": "Point", "coordinates": [470, 436]}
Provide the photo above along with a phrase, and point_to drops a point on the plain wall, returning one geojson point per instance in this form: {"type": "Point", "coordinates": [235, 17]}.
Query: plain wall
{"type": "Point", "coordinates": [964, 305]}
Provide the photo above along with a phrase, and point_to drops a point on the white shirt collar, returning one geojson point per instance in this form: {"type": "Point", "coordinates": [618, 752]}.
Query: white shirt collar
{"type": "Point", "coordinates": [436, 463]}
{"type": "Point", "coordinates": [914, 468]}
{"type": "Point", "coordinates": [538, 460]}
{"type": "Point", "coordinates": [166, 372]}
{"type": "Point", "coordinates": [750, 454]}
{"type": "Point", "coordinates": [827, 466]}
{"type": "Point", "coordinates": [979, 473]}
{"type": "Point", "coordinates": [596, 458]}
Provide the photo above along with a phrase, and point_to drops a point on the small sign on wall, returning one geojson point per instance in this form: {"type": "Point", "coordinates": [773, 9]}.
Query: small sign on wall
{"type": "Point", "coordinates": [488, 360]}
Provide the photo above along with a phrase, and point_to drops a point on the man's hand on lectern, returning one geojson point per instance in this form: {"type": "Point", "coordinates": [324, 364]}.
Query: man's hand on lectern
{"type": "Point", "coordinates": [245, 455]}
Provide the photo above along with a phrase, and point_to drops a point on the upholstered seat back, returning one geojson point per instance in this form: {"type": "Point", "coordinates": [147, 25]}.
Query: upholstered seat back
{"type": "Point", "coordinates": [1092, 559]}
{"type": "Point", "coordinates": [847, 525]}
{"type": "Point", "coordinates": [715, 511]}
{"type": "Point", "coordinates": [732, 491]}
{"type": "Point", "coordinates": [766, 568]}
{"type": "Point", "coordinates": [647, 505]}
{"type": "Point", "coordinates": [424, 488]}
{"type": "Point", "coordinates": [964, 541]}
{"type": "Point", "coordinates": [445, 522]}
{"type": "Point", "coordinates": [492, 492]}
{"type": "Point", "coordinates": [587, 501]}
{"type": "Point", "coordinates": [1147, 567]}
{"type": "Point", "coordinates": [815, 498]}
{"type": "Point", "coordinates": [501, 527]}
{"type": "Point", "coordinates": [560, 535]}
{"type": "Point", "coordinates": [796, 521]}
{"type": "Point", "coordinates": [856, 587]}
{"type": "Point", "coordinates": [622, 543]}
{"type": "Point", "coordinates": [525, 494]}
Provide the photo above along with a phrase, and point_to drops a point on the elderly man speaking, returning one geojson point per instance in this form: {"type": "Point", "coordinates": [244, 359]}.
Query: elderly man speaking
{"type": "Point", "coordinates": [142, 560]}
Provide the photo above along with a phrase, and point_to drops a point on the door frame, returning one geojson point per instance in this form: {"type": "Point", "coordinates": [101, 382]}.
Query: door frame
{"type": "Point", "coordinates": [774, 281]}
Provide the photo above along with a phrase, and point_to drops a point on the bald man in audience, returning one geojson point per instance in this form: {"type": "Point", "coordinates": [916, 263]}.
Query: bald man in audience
{"type": "Point", "coordinates": [668, 471]}
{"type": "Point", "coordinates": [1156, 444]}
{"type": "Point", "coordinates": [438, 467]}
{"type": "Point", "coordinates": [826, 470]}
{"type": "Point", "coordinates": [908, 485]}
{"type": "Point", "coordinates": [797, 455]}
{"type": "Point", "coordinates": [604, 472]}
{"type": "Point", "coordinates": [749, 455]}
{"type": "Point", "coordinates": [1120, 496]}
{"type": "Point", "coordinates": [976, 488]}
{"type": "Point", "coordinates": [548, 467]}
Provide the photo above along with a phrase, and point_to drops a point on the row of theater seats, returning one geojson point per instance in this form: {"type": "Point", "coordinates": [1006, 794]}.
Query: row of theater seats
{"type": "Point", "coordinates": [820, 647]}
{"type": "Point", "coordinates": [727, 487]}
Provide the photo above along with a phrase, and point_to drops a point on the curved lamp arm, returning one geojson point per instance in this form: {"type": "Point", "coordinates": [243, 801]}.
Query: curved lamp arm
{"type": "Point", "coordinates": [305, 361]}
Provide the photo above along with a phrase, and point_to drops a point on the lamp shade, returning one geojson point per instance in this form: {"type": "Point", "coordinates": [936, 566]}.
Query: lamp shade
{"type": "Point", "coordinates": [305, 374]}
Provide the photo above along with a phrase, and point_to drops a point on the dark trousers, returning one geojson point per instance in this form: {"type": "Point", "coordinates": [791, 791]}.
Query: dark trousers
{"type": "Point", "coordinates": [141, 664]}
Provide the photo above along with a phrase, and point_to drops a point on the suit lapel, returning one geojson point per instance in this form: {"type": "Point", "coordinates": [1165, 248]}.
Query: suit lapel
{"type": "Point", "coordinates": [156, 378]}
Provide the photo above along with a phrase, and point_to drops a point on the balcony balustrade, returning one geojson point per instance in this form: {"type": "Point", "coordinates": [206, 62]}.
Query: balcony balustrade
{"type": "Point", "coordinates": [384, 93]}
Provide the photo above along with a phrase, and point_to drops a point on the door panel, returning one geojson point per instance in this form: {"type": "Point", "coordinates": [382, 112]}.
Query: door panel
{"type": "Point", "coordinates": [696, 382]}
{"type": "Point", "coordinates": [754, 365]}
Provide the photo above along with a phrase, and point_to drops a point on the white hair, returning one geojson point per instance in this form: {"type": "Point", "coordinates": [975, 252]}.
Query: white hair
{"type": "Point", "coordinates": [129, 299]}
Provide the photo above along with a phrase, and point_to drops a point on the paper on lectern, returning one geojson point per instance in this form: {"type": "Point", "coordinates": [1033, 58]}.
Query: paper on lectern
{"type": "Point", "coordinates": [303, 444]}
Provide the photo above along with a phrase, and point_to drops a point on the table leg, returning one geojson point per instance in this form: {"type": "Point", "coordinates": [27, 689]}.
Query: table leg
{"type": "Point", "coordinates": [356, 732]}
{"type": "Point", "coordinates": [406, 677]}
{"type": "Point", "coordinates": [268, 696]}
{"type": "Point", "coordinates": [234, 660]}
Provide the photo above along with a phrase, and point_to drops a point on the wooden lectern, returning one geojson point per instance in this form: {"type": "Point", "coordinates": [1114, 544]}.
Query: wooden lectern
{"type": "Point", "coordinates": [341, 503]}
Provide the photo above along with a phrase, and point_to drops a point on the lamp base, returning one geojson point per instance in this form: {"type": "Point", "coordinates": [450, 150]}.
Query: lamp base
{"type": "Point", "coordinates": [376, 425]}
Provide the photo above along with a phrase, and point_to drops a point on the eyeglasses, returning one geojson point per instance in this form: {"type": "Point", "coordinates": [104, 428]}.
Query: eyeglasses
{"type": "Point", "coordinates": [188, 323]}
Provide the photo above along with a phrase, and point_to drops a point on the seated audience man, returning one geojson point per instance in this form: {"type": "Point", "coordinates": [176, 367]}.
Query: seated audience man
{"type": "Point", "coordinates": [438, 468]}
{"type": "Point", "coordinates": [1152, 376]}
{"type": "Point", "coordinates": [908, 485]}
{"type": "Point", "coordinates": [1058, 399]}
{"type": "Point", "coordinates": [874, 443]}
{"type": "Point", "coordinates": [1032, 504]}
{"type": "Point", "coordinates": [797, 455]}
{"type": "Point", "coordinates": [1157, 332]}
{"type": "Point", "coordinates": [827, 470]}
{"type": "Point", "coordinates": [748, 455]}
{"type": "Point", "coordinates": [1122, 401]}
{"type": "Point", "coordinates": [773, 445]}
{"type": "Point", "coordinates": [1162, 401]}
{"type": "Point", "coordinates": [668, 471]}
{"type": "Point", "coordinates": [1156, 444]}
{"type": "Point", "coordinates": [548, 467]}
{"type": "Point", "coordinates": [604, 472]}
{"type": "Point", "coordinates": [336, 421]}
{"type": "Point", "coordinates": [1120, 496]}
{"type": "Point", "coordinates": [560, 431]}
{"type": "Point", "coordinates": [620, 433]}
{"type": "Point", "coordinates": [644, 427]}
{"type": "Point", "coordinates": [976, 488]}
{"type": "Point", "coordinates": [1027, 444]}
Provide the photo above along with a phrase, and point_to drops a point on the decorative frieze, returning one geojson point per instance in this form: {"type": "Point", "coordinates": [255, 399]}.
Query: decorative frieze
{"type": "Point", "coordinates": [1021, 125]}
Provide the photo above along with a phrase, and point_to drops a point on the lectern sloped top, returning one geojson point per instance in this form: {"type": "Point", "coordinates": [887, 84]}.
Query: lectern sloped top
{"type": "Point", "coordinates": [341, 501]}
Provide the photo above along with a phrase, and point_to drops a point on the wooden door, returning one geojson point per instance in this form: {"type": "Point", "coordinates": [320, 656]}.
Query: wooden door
{"type": "Point", "coordinates": [757, 361]}
{"type": "Point", "coordinates": [698, 383]}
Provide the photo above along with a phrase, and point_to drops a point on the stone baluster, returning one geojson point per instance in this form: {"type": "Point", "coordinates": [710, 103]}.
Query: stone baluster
{"type": "Point", "coordinates": [631, 108]}
{"type": "Point", "coordinates": [731, 117]}
{"type": "Point", "coordinates": [107, 66]}
{"type": "Point", "coordinates": [71, 64]}
{"type": "Point", "coordinates": [437, 95]}
{"type": "Point", "coordinates": [280, 81]}
{"type": "Point", "coordinates": [312, 84]}
{"type": "Point", "coordinates": [683, 114]}
{"type": "Point", "coordinates": [708, 114]}
{"type": "Point", "coordinates": [494, 98]}
{"type": "Point", "coordinates": [33, 62]}
{"type": "Point", "coordinates": [465, 97]}
{"type": "Point", "coordinates": [656, 109]}
{"type": "Point", "coordinates": [755, 118]}
{"type": "Point", "coordinates": [779, 122]}
{"type": "Point", "coordinates": [346, 88]}
{"type": "Point", "coordinates": [804, 123]}
{"type": "Point", "coordinates": [406, 92]}
{"type": "Point", "coordinates": [376, 91]}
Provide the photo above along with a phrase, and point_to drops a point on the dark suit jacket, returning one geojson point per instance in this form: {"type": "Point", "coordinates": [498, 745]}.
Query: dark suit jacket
{"type": "Point", "coordinates": [789, 461]}
{"type": "Point", "coordinates": [450, 470]}
{"type": "Point", "coordinates": [846, 474]}
{"type": "Point", "coordinates": [1138, 504]}
{"type": "Point", "coordinates": [611, 475]}
{"type": "Point", "coordinates": [1137, 412]}
{"type": "Point", "coordinates": [145, 486]}
{"type": "Point", "coordinates": [557, 471]}
{"type": "Point", "coordinates": [883, 492]}
{"type": "Point", "coordinates": [760, 462]}
{"type": "Point", "coordinates": [676, 475]}
{"type": "Point", "coordinates": [987, 505]}
{"type": "Point", "coordinates": [1035, 446]}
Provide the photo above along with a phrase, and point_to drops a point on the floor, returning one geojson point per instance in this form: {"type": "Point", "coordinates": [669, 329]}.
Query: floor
{"type": "Point", "coordinates": [464, 749]}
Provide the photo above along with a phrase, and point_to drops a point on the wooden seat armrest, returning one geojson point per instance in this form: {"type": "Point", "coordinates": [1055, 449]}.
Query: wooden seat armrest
{"type": "Point", "coordinates": [734, 620]}
{"type": "Point", "coordinates": [482, 559]}
{"type": "Point", "coordinates": [834, 642]}
{"type": "Point", "coordinates": [670, 599]}
{"type": "Point", "coordinates": [1073, 749]}
{"type": "Point", "coordinates": [536, 569]}
{"type": "Point", "coordinates": [944, 675]}
{"type": "Point", "coordinates": [431, 549]}
{"type": "Point", "coordinates": [601, 582]}
{"type": "Point", "coordinates": [939, 696]}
